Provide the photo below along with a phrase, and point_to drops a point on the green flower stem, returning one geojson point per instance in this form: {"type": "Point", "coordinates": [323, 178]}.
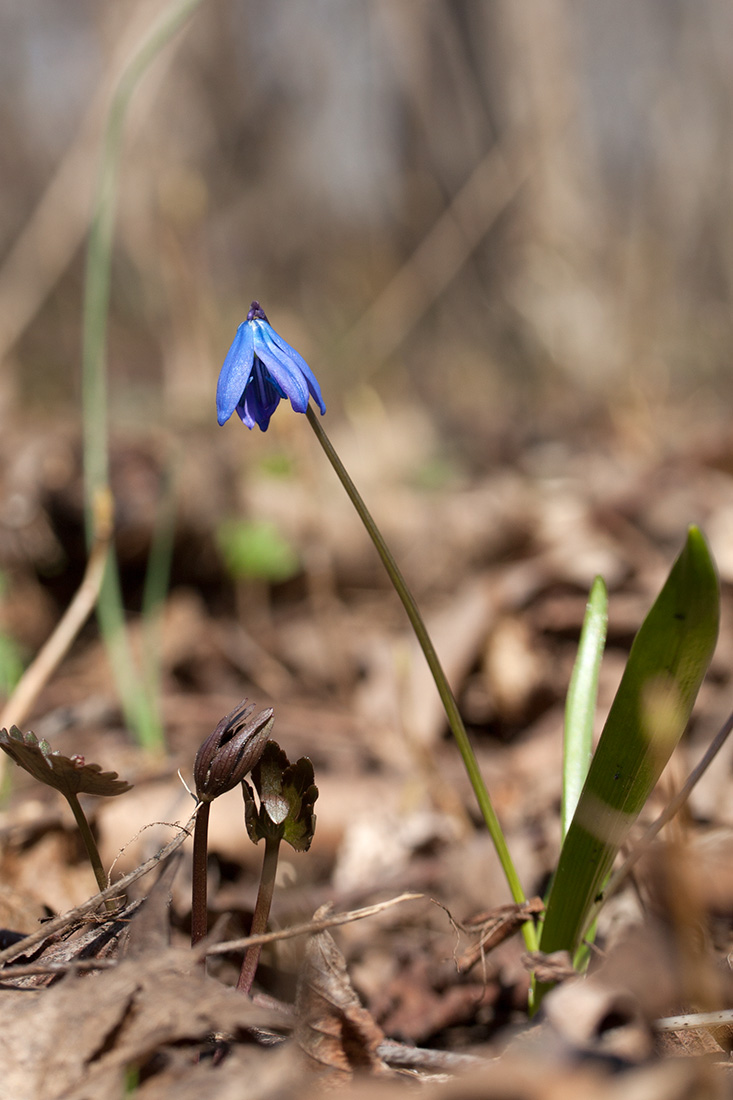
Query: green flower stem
{"type": "Point", "coordinates": [91, 846]}
{"type": "Point", "coordinates": [451, 707]}
{"type": "Point", "coordinates": [199, 911]}
{"type": "Point", "coordinates": [261, 913]}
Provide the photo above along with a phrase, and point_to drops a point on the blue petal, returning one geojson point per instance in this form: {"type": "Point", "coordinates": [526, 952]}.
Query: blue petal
{"type": "Point", "coordinates": [259, 400]}
{"type": "Point", "coordinates": [303, 367]}
{"type": "Point", "coordinates": [282, 367]}
{"type": "Point", "coordinates": [235, 373]}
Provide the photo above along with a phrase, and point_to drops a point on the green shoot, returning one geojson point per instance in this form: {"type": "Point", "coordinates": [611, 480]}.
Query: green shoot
{"type": "Point", "coordinates": [157, 580]}
{"type": "Point", "coordinates": [666, 666]}
{"type": "Point", "coordinates": [256, 550]}
{"type": "Point", "coordinates": [581, 701]}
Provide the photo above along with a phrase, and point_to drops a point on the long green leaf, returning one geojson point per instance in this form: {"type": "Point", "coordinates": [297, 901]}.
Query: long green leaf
{"type": "Point", "coordinates": [581, 701]}
{"type": "Point", "coordinates": [666, 666]}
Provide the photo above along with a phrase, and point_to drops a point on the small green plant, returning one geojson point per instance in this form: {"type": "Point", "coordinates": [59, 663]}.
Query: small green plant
{"type": "Point", "coordinates": [668, 661]}
{"type": "Point", "coordinates": [286, 794]}
{"type": "Point", "coordinates": [11, 660]}
{"type": "Point", "coordinates": [71, 776]}
{"type": "Point", "coordinates": [11, 664]}
{"type": "Point", "coordinates": [602, 796]}
{"type": "Point", "coordinates": [221, 763]}
{"type": "Point", "coordinates": [256, 550]}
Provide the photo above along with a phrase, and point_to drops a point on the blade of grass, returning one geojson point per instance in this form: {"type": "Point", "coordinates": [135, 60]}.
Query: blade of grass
{"type": "Point", "coordinates": [666, 666]}
{"type": "Point", "coordinates": [157, 581]}
{"type": "Point", "coordinates": [581, 701]}
{"type": "Point", "coordinates": [140, 712]}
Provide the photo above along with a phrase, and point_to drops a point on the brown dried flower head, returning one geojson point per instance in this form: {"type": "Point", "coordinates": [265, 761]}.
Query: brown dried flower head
{"type": "Point", "coordinates": [231, 751]}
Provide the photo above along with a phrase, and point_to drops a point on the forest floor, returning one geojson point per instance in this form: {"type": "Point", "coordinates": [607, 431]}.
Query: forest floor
{"type": "Point", "coordinates": [428, 993]}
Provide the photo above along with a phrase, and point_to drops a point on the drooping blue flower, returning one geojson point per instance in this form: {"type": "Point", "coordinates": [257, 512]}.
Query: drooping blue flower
{"type": "Point", "coordinates": [260, 368]}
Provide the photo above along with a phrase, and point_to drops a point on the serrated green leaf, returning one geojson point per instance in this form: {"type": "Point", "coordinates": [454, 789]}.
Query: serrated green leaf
{"type": "Point", "coordinates": [666, 666]}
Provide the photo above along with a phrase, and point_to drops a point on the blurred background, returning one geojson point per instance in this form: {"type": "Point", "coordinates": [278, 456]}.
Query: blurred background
{"type": "Point", "coordinates": [500, 232]}
{"type": "Point", "coordinates": [477, 207]}
{"type": "Point", "coordinates": [495, 230]}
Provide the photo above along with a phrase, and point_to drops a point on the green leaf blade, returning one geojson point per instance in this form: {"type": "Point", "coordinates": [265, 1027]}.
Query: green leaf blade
{"type": "Point", "coordinates": [581, 701]}
{"type": "Point", "coordinates": [666, 666]}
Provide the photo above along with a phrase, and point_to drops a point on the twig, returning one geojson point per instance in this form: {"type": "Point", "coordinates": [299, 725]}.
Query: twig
{"type": "Point", "coordinates": [42, 969]}
{"type": "Point", "coordinates": [59, 923]}
{"type": "Point", "coordinates": [695, 1020]}
{"type": "Point", "coordinates": [56, 647]}
{"type": "Point", "coordinates": [400, 1054]}
{"type": "Point", "coordinates": [305, 929]}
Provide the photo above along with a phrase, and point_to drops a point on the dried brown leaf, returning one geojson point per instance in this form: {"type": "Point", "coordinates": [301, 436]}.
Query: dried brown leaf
{"type": "Point", "coordinates": [83, 1032]}
{"type": "Point", "coordinates": [334, 1029]}
{"type": "Point", "coordinates": [91, 942]}
{"type": "Point", "coordinates": [149, 931]}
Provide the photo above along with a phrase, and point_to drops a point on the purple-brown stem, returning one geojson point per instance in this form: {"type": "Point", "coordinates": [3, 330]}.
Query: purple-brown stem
{"type": "Point", "coordinates": [91, 846]}
{"type": "Point", "coordinates": [199, 911]}
{"type": "Point", "coordinates": [261, 913]}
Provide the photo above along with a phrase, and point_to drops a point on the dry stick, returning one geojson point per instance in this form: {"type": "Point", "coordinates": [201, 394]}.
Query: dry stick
{"type": "Point", "coordinates": [693, 1020]}
{"type": "Point", "coordinates": [49, 969]}
{"type": "Point", "coordinates": [673, 806]}
{"type": "Point", "coordinates": [58, 924]}
{"type": "Point", "coordinates": [400, 1054]}
{"type": "Point", "coordinates": [305, 929]}
{"type": "Point", "coordinates": [56, 647]}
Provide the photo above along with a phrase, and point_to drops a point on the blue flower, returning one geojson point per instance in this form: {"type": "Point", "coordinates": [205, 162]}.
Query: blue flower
{"type": "Point", "coordinates": [259, 369]}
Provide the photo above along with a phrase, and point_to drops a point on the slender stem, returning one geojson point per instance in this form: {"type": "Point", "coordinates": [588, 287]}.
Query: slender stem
{"type": "Point", "coordinates": [155, 590]}
{"type": "Point", "coordinates": [91, 846]}
{"type": "Point", "coordinates": [261, 913]}
{"type": "Point", "coordinates": [199, 911]}
{"type": "Point", "coordinates": [451, 707]}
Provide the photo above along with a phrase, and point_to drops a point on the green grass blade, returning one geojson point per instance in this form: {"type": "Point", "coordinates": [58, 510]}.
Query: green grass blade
{"type": "Point", "coordinates": [581, 701]}
{"type": "Point", "coordinates": [666, 666]}
{"type": "Point", "coordinates": [140, 710]}
{"type": "Point", "coordinates": [155, 590]}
